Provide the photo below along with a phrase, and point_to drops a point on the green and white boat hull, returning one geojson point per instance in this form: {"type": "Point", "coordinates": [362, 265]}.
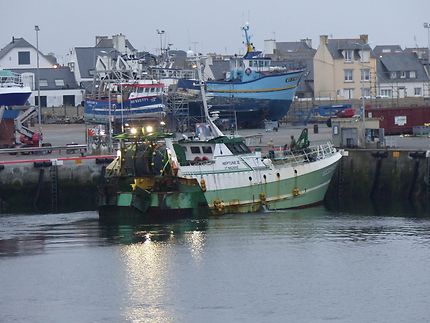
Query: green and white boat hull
{"type": "Point", "coordinates": [254, 184]}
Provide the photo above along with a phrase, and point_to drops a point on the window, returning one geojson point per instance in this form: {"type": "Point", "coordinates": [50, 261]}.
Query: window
{"type": "Point", "coordinates": [412, 74]}
{"type": "Point", "coordinates": [59, 82]}
{"type": "Point", "coordinates": [365, 56]}
{"type": "Point", "coordinates": [43, 82]}
{"type": "Point", "coordinates": [386, 93]}
{"type": "Point", "coordinates": [348, 76]}
{"type": "Point", "coordinates": [69, 100]}
{"type": "Point", "coordinates": [23, 58]}
{"type": "Point", "coordinates": [195, 150]}
{"type": "Point", "coordinates": [365, 75]}
{"type": "Point", "coordinates": [365, 92]}
{"type": "Point", "coordinates": [393, 75]}
{"type": "Point", "coordinates": [402, 75]}
{"type": "Point", "coordinates": [348, 54]}
{"type": "Point", "coordinates": [207, 149]}
{"type": "Point", "coordinates": [43, 101]}
{"type": "Point", "coordinates": [417, 91]}
{"type": "Point", "coordinates": [348, 93]}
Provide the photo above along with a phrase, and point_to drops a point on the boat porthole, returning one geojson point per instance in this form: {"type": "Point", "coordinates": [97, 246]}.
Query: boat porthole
{"type": "Point", "coordinates": [250, 178]}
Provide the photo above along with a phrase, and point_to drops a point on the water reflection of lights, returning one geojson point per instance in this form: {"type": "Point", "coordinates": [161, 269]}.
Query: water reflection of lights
{"type": "Point", "coordinates": [196, 239]}
{"type": "Point", "coordinates": [147, 270]}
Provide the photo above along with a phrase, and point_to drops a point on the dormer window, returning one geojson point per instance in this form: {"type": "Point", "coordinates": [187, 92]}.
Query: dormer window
{"type": "Point", "coordinates": [393, 75]}
{"type": "Point", "coordinates": [402, 75]}
{"type": "Point", "coordinates": [348, 55]}
{"type": "Point", "coordinates": [364, 56]}
{"type": "Point", "coordinates": [412, 75]}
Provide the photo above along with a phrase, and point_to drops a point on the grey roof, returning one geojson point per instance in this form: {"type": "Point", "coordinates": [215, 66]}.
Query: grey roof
{"type": "Point", "coordinates": [15, 43]}
{"type": "Point", "coordinates": [420, 52]}
{"type": "Point", "coordinates": [22, 43]}
{"type": "Point", "coordinates": [86, 57]}
{"type": "Point", "coordinates": [52, 74]}
{"type": "Point", "coordinates": [336, 46]}
{"type": "Point", "coordinates": [400, 62]}
{"type": "Point", "coordinates": [108, 43]}
{"type": "Point", "coordinates": [387, 49]}
{"type": "Point", "coordinates": [300, 46]}
{"type": "Point", "coordinates": [219, 68]}
{"type": "Point", "coordinates": [179, 58]}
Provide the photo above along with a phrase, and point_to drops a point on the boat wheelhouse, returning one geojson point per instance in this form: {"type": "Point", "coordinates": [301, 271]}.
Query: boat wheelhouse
{"type": "Point", "coordinates": [122, 101]}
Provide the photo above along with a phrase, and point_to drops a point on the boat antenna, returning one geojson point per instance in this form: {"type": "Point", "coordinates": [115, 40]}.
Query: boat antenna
{"type": "Point", "coordinates": [215, 130]}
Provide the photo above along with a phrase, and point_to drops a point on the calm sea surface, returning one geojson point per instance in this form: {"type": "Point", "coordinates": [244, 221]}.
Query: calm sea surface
{"type": "Point", "coordinates": [296, 266]}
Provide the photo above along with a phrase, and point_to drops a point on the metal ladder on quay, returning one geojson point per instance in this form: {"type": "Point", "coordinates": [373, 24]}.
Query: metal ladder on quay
{"type": "Point", "coordinates": [54, 188]}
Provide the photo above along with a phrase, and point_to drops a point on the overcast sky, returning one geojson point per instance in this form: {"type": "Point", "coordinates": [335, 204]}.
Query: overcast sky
{"type": "Point", "coordinates": [211, 26]}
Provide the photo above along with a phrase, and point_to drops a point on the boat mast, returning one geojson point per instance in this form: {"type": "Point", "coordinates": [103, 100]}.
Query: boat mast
{"type": "Point", "coordinates": [249, 46]}
{"type": "Point", "coordinates": [209, 121]}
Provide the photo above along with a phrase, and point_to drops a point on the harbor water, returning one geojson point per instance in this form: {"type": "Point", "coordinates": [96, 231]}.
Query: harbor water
{"type": "Point", "coordinates": [310, 265]}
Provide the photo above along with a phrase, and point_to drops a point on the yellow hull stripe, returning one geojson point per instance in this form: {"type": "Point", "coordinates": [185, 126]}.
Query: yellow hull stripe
{"type": "Point", "coordinates": [254, 91]}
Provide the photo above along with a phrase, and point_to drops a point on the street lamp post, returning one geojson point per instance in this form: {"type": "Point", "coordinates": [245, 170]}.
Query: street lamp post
{"type": "Point", "coordinates": [362, 74]}
{"type": "Point", "coordinates": [39, 116]}
{"type": "Point", "coordinates": [427, 26]}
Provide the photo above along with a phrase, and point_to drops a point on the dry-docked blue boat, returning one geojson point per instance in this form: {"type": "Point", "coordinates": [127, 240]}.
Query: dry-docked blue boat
{"type": "Point", "coordinates": [253, 89]}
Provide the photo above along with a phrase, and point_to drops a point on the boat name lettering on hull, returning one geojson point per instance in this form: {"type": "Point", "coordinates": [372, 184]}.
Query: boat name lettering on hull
{"type": "Point", "coordinates": [231, 164]}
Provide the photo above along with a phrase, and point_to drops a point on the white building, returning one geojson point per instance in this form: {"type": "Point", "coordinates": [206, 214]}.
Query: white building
{"type": "Point", "coordinates": [400, 74]}
{"type": "Point", "coordinates": [57, 84]}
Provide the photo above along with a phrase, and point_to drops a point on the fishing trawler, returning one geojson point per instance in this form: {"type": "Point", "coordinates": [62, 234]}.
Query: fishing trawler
{"type": "Point", "coordinates": [253, 89]}
{"type": "Point", "coordinates": [120, 94]}
{"type": "Point", "coordinates": [159, 175]}
{"type": "Point", "coordinates": [126, 100]}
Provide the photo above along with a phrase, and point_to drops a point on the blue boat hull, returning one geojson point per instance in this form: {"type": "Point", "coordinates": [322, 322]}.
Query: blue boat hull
{"type": "Point", "coordinates": [267, 87]}
{"type": "Point", "coordinates": [248, 112]}
{"type": "Point", "coordinates": [267, 97]}
{"type": "Point", "coordinates": [98, 110]}
{"type": "Point", "coordinates": [12, 99]}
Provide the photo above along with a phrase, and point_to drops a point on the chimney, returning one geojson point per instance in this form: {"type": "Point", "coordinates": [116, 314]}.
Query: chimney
{"type": "Point", "coordinates": [100, 38]}
{"type": "Point", "coordinates": [324, 39]}
{"type": "Point", "coordinates": [13, 39]}
{"type": "Point", "coordinates": [364, 38]}
{"type": "Point", "coordinates": [118, 42]}
{"type": "Point", "coordinates": [307, 41]}
{"type": "Point", "coordinates": [269, 46]}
